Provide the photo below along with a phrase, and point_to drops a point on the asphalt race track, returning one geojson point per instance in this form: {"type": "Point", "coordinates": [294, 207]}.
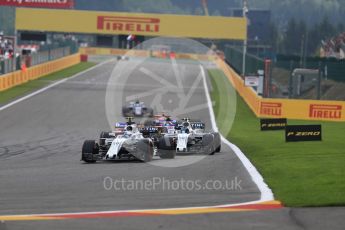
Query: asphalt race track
{"type": "Point", "coordinates": [41, 171]}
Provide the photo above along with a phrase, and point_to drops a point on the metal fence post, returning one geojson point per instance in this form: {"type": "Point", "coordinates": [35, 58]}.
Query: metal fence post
{"type": "Point", "coordinates": [290, 80]}
{"type": "Point", "coordinates": [18, 62]}
{"type": "Point", "coordinates": [49, 55]}
{"type": "Point", "coordinates": [319, 83]}
{"type": "Point", "coordinates": [2, 67]}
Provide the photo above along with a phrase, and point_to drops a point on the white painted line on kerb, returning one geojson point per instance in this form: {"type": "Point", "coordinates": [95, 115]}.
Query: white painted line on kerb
{"type": "Point", "coordinates": [51, 86]}
{"type": "Point", "coordinates": [266, 192]}
{"type": "Point", "coordinates": [64, 214]}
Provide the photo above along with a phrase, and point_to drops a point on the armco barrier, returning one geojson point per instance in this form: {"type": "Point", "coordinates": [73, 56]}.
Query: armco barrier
{"type": "Point", "coordinates": [10, 80]}
{"type": "Point", "coordinates": [142, 53]}
{"type": "Point", "coordinates": [284, 108]}
{"type": "Point", "coordinates": [115, 52]}
{"type": "Point", "coordinates": [103, 51]}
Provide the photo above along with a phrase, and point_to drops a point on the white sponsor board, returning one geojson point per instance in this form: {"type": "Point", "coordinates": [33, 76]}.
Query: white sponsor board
{"type": "Point", "coordinates": [251, 81]}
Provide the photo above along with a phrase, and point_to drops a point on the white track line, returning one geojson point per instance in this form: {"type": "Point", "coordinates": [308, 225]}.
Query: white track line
{"type": "Point", "coordinates": [266, 192]}
{"type": "Point", "coordinates": [50, 86]}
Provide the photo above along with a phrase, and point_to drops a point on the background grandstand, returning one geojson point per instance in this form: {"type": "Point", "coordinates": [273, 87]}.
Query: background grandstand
{"type": "Point", "coordinates": [334, 47]}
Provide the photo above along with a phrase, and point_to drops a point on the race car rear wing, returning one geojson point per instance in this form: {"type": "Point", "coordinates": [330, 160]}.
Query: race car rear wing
{"type": "Point", "coordinates": [197, 125]}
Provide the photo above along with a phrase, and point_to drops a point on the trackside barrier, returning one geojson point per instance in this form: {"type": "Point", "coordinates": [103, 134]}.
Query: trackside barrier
{"type": "Point", "coordinates": [142, 53]}
{"type": "Point", "coordinates": [284, 108]}
{"type": "Point", "coordinates": [10, 80]}
{"type": "Point", "coordinates": [109, 51]}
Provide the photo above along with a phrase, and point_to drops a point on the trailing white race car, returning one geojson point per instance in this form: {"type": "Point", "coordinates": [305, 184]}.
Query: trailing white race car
{"type": "Point", "coordinates": [125, 142]}
{"type": "Point", "coordinates": [137, 109]}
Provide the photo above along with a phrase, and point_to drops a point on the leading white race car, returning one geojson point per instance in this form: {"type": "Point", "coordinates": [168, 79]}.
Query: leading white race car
{"type": "Point", "coordinates": [125, 142]}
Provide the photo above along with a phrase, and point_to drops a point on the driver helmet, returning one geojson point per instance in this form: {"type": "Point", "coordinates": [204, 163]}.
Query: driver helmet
{"type": "Point", "coordinates": [127, 134]}
{"type": "Point", "coordinates": [186, 124]}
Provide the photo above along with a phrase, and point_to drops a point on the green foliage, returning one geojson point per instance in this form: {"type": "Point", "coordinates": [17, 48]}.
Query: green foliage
{"type": "Point", "coordinates": [298, 35]}
{"type": "Point", "coordinates": [7, 20]}
{"type": "Point", "coordinates": [294, 36]}
{"type": "Point", "coordinates": [152, 6]}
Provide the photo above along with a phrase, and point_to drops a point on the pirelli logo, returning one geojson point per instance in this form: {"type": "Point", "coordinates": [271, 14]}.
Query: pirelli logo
{"type": "Point", "coordinates": [271, 108]}
{"type": "Point", "coordinates": [128, 24]}
{"type": "Point", "coordinates": [325, 111]}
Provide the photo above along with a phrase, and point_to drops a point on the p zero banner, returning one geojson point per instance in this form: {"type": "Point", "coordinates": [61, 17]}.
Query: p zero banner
{"type": "Point", "coordinates": [295, 133]}
{"type": "Point", "coordinates": [273, 124]}
{"type": "Point", "coordinates": [95, 22]}
{"type": "Point", "coordinates": [39, 3]}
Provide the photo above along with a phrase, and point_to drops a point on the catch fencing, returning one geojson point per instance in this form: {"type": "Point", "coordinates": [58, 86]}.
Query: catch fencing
{"type": "Point", "coordinates": [282, 83]}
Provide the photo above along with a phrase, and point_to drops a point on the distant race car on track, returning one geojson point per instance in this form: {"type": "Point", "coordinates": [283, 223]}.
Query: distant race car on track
{"type": "Point", "coordinates": [160, 120]}
{"type": "Point", "coordinates": [124, 142]}
{"type": "Point", "coordinates": [137, 109]}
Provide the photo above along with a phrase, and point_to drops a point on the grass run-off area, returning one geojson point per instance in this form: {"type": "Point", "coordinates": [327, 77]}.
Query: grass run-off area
{"type": "Point", "coordinates": [302, 174]}
{"type": "Point", "coordinates": [23, 89]}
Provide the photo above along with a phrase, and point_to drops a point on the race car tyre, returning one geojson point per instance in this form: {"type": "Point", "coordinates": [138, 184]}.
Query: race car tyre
{"type": "Point", "coordinates": [165, 143]}
{"type": "Point", "coordinates": [149, 154]}
{"type": "Point", "coordinates": [150, 112]}
{"type": "Point", "coordinates": [146, 147]}
{"type": "Point", "coordinates": [217, 142]}
{"type": "Point", "coordinates": [90, 151]}
{"type": "Point", "coordinates": [148, 122]}
{"type": "Point", "coordinates": [208, 143]}
{"type": "Point", "coordinates": [104, 134]}
{"type": "Point", "coordinates": [126, 112]}
{"type": "Point", "coordinates": [102, 137]}
{"type": "Point", "coordinates": [166, 149]}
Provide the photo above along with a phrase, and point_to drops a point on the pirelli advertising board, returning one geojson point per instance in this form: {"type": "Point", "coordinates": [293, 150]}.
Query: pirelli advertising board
{"type": "Point", "coordinates": [94, 22]}
{"type": "Point", "coordinates": [303, 109]}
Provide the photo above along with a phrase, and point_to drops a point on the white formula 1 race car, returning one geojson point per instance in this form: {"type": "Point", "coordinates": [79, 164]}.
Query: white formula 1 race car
{"type": "Point", "coordinates": [126, 142]}
{"type": "Point", "coordinates": [137, 109]}
{"type": "Point", "coordinates": [189, 138]}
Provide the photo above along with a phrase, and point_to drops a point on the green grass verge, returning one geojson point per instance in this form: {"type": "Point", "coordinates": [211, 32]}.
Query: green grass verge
{"type": "Point", "coordinates": [31, 86]}
{"type": "Point", "coordinates": [303, 174]}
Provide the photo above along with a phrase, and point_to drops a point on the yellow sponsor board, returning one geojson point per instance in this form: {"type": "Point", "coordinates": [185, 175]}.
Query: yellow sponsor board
{"type": "Point", "coordinates": [74, 21]}
{"type": "Point", "coordinates": [303, 109]}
